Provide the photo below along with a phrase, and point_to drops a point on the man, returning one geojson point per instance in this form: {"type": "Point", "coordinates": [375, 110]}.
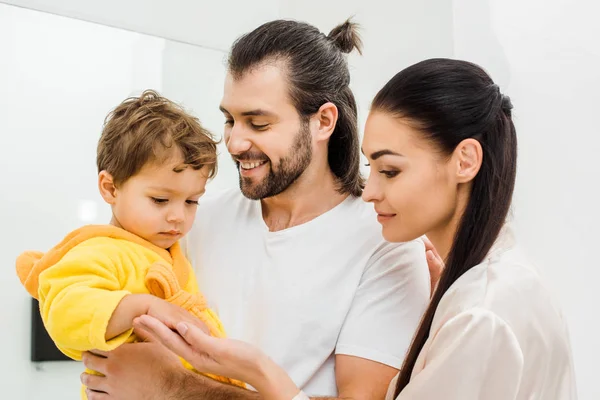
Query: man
{"type": "Point", "coordinates": [296, 265]}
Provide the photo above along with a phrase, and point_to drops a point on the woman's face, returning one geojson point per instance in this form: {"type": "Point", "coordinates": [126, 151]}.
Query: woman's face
{"type": "Point", "coordinates": [412, 185]}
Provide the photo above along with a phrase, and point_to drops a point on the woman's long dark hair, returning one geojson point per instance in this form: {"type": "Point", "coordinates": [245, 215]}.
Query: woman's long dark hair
{"type": "Point", "coordinates": [450, 101]}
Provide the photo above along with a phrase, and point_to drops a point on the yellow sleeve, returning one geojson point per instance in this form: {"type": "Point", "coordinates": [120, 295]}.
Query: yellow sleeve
{"type": "Point", "coordinates": [78, 296]}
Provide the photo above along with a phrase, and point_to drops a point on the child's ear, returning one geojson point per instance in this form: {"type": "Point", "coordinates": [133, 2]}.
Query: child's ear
{"type": "Point", "coordinates": [107, 187]}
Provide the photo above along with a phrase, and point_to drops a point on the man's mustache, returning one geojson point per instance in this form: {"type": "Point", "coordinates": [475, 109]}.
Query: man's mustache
{"type": "Point", "coordinates": [250, 157]}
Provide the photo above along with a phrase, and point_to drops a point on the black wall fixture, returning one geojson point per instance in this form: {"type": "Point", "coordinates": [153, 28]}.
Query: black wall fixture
{"type": "Point", "coordinates": [42, 347]}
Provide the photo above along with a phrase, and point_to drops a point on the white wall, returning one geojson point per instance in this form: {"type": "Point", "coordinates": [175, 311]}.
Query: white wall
{"type": "Point", "coordinates": [62, 76]}
{"type": "Point", "coordinates": [395, 34]}
{"type": "Point", "coordinates": [546, 56]}
{"type": "Point", "coordinates": [212, 24]}
{"type": "Point", "coordinates": [194, 78]}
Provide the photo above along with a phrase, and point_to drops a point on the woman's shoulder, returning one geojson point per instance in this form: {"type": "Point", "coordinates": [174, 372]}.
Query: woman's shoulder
{"type": "Point", "coordinates": [506, 284]}
{"type": "Point", "coordinates": [508, 288]}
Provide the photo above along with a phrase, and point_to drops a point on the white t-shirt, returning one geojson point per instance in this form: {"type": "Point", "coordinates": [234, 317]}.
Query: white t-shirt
{"type": "Point", "coordinates": [497, 334]}
{"type": "Point", "coordinates": [329, 286]}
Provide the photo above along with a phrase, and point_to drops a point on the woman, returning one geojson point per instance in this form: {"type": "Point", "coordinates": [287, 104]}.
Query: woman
{"type": "Point", "coordinates": [442, 148]}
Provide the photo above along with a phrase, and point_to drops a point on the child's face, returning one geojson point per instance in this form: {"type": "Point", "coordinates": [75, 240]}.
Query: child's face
{"type": "Point", "coordinates": [157, 204]}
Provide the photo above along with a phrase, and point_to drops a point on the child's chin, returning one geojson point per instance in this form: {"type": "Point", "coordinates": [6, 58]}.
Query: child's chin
{"type": "Point", "coordinates": [164, 243]}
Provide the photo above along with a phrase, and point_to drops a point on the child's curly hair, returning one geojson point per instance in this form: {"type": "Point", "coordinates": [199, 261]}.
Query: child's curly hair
{"type": "Point", "coordinates": [151, 128]}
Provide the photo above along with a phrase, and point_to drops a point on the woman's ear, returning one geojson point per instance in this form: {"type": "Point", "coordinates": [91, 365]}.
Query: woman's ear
{"type": "Point", "coordinates": [468, 157]}
{"type": "Point", "coordinates": [107, 187]}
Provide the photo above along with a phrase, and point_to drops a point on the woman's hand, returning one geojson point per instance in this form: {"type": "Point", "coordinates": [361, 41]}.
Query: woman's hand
{"type": "Point", "coordinates": [170, 314]}
{"type": "Point", "coordinates": [434, 262]}
{"type": "Point", "coordinates": [225, 357]}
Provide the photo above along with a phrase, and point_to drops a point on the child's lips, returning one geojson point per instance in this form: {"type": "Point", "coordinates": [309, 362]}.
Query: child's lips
{"type": "Point", "coordinates": [171, 233]}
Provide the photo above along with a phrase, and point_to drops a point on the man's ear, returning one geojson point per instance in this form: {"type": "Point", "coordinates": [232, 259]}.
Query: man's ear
{"type": "Point", "coordinates": [325, 119]}
{"type": "Point", "coordinates": [107, 187]}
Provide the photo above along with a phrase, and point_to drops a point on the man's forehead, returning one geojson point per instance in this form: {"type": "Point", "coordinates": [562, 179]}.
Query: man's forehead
{"type": "Point", "coordinates": [262, 74]}
{"type": "Point", "coordinates": [259, 91]}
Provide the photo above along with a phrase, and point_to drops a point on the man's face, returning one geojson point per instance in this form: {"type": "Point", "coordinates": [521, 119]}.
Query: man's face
{"type": "Point", "coordinates": [268, 140]}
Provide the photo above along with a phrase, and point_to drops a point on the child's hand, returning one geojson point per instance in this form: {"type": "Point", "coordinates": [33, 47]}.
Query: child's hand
{"type": "Point", "coordinates": [170, 314]}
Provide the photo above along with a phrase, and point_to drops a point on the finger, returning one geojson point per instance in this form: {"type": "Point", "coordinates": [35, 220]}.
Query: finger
{"type": "Point", "coordinates": [93, 395]}
{"type": "Point", "coordinates": [435, 263]}
{"type": "Point", "coordinates": [435, 268]}
{"type": "Point", "coordinates": [195, 337]}
{"type": "Point", "coordinates": [94, 382]}
{"type": "Point", "coordinates": [99, 353]}
{"type": "Point", "coordinates": [142, 334]}
{"type": "Point", "coordinates": [163, 334]}
{"type": "Point", "coordinates": [195, 321]}
{"type": "Point", "coordinates": [433, 260]}
{"type": "Point", "coordinates": [430, 255]}
{"type": "Point", "coordinates": [430, 247]}
{"type": "Point", "coordinates": [94, 362]}
{"type": "Point", "coordinates": [428, 244]}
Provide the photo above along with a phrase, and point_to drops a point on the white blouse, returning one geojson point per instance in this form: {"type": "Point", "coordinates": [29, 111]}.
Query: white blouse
{"type": "Point", "coordinates": [497, 334]}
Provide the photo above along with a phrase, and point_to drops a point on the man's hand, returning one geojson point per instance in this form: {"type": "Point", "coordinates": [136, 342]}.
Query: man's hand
{"type": "Point", "coordinates": [434, 262]}
{"type": "Point", "coordinates": [134, 371]}
{"type": "Point", "coordinates": [141, 371]}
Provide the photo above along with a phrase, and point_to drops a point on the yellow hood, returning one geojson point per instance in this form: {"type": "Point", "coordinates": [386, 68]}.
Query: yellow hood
{"type": "Point", "coordinates": [31, 264]}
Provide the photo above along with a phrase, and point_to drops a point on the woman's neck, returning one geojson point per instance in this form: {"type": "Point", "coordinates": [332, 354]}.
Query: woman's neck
{"type": "Point", "coordinates": [443, 236]}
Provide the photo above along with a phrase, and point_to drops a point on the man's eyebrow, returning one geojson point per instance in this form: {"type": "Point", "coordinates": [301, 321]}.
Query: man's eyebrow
{"type": "Point", "coordinates": [258, 113]}
{"type": "Point", "coordinates": [251, 113]}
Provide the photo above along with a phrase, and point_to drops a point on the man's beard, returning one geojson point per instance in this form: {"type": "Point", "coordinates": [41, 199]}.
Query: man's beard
{"type": "Point", "coordinates": [289, 169]}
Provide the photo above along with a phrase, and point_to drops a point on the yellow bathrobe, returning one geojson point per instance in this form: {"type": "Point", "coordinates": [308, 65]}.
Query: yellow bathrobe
{"type": "Point", "coordinates": [80, 282]}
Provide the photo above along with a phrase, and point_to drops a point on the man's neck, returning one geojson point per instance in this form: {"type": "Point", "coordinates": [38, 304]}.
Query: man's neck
{"type": "Point", "coordinates": [312, 195]}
